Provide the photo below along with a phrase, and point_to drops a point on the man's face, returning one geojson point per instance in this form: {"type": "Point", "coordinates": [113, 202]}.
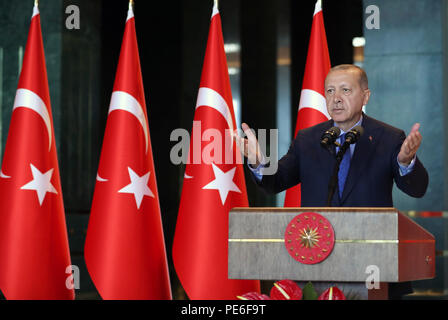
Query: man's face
{"type": "Point", "coordinates": [345, 97]}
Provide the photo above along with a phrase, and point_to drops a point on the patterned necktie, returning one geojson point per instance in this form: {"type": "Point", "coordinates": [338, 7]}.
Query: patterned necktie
{"type": "Point", "coordinates": [343, 168]}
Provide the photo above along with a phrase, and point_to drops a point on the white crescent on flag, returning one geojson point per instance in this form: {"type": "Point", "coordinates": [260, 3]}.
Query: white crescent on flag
{"type": "Point", "coordinates": [28, 99]}
{"type": "Point", "coordinates": [124, 101]}
{"type": "Point", "coordinates": [210, 98]}
{"type": "Point", "coordinates": [314, 100]}
{"type": "Point", "coordinates": [98, 178]}
{"type": "Point", "coordinates": [4, 176]}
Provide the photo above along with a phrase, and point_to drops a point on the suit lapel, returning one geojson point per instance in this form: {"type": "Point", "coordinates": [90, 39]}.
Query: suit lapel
{"type": "Point", "coordinates": [326, 157]}
{"type": "Point", "coordinates": [326, 161]}
{"type": "Point", "coordinates": [364, 150]}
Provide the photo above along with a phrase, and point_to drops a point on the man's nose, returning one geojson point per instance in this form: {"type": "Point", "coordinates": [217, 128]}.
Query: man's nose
{"type": "Point", "coordinates": [337, 97]}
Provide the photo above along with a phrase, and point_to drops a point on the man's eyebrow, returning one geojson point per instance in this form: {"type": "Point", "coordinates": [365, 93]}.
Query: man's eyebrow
{"type": "Point", "coordinates": [340, 85]}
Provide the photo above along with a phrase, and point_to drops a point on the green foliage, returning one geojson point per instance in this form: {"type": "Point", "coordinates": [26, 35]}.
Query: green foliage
{"type": "Point", "coordinates": [309, 293]}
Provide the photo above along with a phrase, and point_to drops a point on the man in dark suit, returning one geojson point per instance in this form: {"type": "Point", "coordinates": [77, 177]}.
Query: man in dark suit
{"type": "Point", "coordinates": [381, 156]}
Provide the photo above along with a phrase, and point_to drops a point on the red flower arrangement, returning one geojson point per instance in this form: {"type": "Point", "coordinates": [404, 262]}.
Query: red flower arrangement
{"type": "Point", "coordinates": [289, 290]}
{"type": "Point", "coordinates": [332, 293]}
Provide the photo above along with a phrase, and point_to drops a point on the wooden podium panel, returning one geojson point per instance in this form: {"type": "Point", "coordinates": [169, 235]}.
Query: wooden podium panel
{"type": "Point", "coordinates": [380, 237]}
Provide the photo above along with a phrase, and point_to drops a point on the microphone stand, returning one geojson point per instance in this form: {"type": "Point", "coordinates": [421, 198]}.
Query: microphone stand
{"type": "Point", "coordinates": [334, 179]}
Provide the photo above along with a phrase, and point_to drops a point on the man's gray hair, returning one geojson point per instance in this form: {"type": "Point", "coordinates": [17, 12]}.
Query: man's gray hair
{"type": "Point", "coordinates": [363, 81]}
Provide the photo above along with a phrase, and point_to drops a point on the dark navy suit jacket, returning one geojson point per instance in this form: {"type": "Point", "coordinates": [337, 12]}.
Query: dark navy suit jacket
{"type": "Point", "coordinates": [373, 168]}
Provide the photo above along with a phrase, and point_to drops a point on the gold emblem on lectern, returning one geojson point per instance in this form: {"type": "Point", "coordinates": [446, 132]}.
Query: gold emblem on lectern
{"type": "Point", "coordinates": [309, 238]}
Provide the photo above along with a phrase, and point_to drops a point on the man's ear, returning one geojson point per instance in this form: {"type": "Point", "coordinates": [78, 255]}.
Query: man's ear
{"type": "Point", "coordinates": [366, 97]}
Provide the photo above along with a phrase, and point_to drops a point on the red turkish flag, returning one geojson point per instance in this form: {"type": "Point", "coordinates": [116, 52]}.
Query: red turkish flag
{"type": "Point", "coordinates": [34, 252]}
{"type": "Point", "coordinates": [213, 184]}
{"type": "Point", "coordinates": [312, 106]}
{"type": "Point", "coordinates": [125, 249]}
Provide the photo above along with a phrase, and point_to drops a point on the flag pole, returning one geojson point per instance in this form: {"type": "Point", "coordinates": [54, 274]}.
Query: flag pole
{"type": "Point", "coordinates": [216, 3]}
{"type": "Point", "coordinates": [131, 4]}
{"type": "Point", "coordinates": [36, 3]}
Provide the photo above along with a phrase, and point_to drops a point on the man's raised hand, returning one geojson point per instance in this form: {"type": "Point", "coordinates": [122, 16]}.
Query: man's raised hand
{"type": "Point", "coordinates": [249, 146]}
{"type": "Point", "coordinates": [410, 145]}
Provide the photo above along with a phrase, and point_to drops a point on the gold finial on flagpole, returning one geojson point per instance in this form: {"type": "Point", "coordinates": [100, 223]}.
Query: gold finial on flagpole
{"type": "Point", "coordinates": [36, 3]}
{"type": "Point", "coordinates": [131, 4]}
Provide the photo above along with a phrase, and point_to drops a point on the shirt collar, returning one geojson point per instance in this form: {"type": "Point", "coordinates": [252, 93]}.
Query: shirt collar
{"type": "Point", "coordinates": [356, 124]}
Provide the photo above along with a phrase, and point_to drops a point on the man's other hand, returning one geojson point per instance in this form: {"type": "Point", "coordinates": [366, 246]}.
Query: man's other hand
{"type": "Point", "coordinates": [410, 146]}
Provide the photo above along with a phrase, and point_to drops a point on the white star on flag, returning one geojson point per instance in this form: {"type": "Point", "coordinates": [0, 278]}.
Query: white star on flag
{"type": "Point", "coordinates": [223, 182]}
{"type": "Point", "coordinates": [41, 183]}
{"type": "Point", "coordinates": [138, 187]}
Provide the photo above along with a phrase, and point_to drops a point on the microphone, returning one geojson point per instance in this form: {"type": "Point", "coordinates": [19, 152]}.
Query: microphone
{"type": "Point", "coordinates": [329, 137]}
{"type": "Point", "coordinates": [353, 135]}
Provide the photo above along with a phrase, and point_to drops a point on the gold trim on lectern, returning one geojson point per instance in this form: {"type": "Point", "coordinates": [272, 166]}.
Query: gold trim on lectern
{"type": "Point", "coordinates": [337, 241]}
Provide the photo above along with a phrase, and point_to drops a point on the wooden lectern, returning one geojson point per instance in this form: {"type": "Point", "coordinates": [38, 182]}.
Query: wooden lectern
{"type": "Point", "coordinates": [368, 244]}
